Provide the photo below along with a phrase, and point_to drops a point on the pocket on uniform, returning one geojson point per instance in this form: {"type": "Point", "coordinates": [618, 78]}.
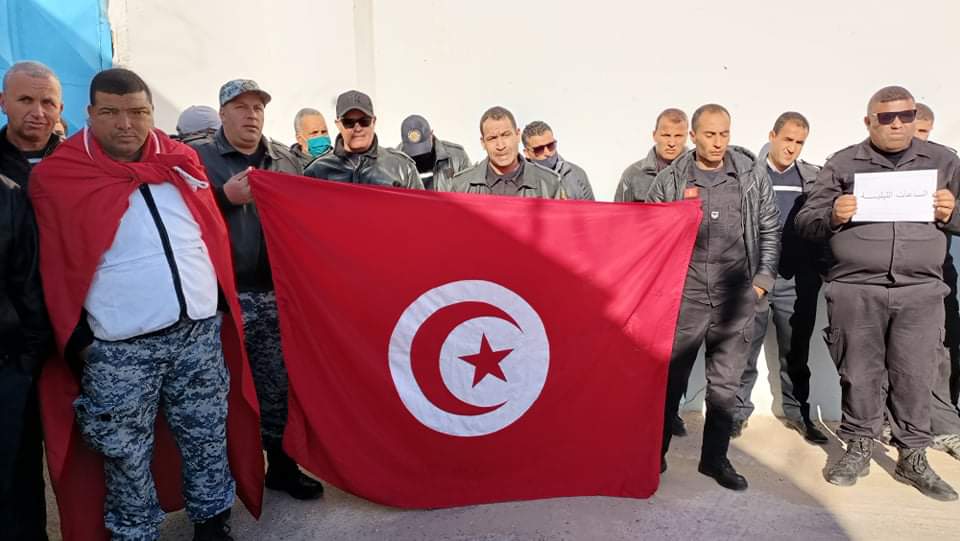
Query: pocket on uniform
{"type": "Point", "coordinates": [834, 340]}
{"type": "Point", "coordinates": [749, 330]}
{"type": "Point", "coordinates": [111, 429]}
{"type": "Point", "coordinates": [730, 221]}
{"type": "Point", "coordinates": [826, 292]}
{"type": "Point", "coordinates": [763, 303]}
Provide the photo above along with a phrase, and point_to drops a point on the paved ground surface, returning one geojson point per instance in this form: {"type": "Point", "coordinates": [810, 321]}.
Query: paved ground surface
{"type": "Point", "coordinates": [787, 499]}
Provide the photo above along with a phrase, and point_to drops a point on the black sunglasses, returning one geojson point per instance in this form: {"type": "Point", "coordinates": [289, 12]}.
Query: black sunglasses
{"type": "Point", "coordinates": [887, 118]}
{"type": "Point", "coordinates": [539, 149]}
{"type": "Point", "coordinates": [364, 121]}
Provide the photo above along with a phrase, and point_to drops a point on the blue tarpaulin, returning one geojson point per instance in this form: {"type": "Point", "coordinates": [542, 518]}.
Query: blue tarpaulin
{"type": "Point", "coordinates": [70, 36]}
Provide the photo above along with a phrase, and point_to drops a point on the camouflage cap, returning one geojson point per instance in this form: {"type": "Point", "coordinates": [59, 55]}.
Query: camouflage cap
{"type": "Point", "coordinates": [236, 87]}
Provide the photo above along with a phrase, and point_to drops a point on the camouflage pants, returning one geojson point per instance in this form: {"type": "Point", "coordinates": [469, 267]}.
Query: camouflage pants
{"type": "Point", "coordinates": [181, 371]}
{"type": "Point", "coordinates": [261, 328]}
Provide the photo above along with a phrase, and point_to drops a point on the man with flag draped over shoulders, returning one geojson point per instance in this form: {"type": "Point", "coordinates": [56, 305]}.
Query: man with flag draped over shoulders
{"type": "Point", "coordinates": [135, 261]}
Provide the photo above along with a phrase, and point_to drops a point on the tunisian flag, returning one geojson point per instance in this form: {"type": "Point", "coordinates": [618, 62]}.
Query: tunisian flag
{"type": "Point", "coordinates": [454, 349]}
{"type": "Point", "coordinates": [79, 196]}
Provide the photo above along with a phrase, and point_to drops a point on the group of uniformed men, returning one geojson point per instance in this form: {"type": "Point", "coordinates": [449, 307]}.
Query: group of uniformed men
{"type": "Point", "coordinates": [144, 334]}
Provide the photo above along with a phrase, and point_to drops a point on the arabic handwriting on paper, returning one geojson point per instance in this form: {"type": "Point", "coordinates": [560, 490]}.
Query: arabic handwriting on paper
{"type": "Point", "coordinates": [895, 196]}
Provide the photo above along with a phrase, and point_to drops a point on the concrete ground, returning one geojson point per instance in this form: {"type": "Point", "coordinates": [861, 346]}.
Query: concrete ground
{"type": "Point", "coordinates": [788, 499]}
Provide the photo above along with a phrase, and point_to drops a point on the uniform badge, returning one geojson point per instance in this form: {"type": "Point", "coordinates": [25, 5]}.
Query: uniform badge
{"type": "Point", "coordinates": [414, 136]}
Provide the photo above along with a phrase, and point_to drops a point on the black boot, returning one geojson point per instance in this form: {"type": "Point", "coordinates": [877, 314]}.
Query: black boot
{"type": "Point", "coordinates": [723, 473]}
{"type": "Point", "coordinates": [213, 529]}
{"type": "Point", "coordinates": [284, 474]}
{"type": "Point", "coordinates": [854, 463]}
{"type": "Point", "coordinates": [737, 429]}
{"type": "Point", "coordinates": [678, 427]}
{"type": "Point", "coordinates": [809, 430]}
{"type": "Point", "coordinates": [913, 469]}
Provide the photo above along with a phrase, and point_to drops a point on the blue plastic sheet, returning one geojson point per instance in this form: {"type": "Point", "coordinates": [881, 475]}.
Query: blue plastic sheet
{"type": "Point", "coordinates": [70, 36]}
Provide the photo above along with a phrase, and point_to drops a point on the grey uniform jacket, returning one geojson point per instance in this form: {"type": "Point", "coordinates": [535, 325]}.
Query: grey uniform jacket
{"type": "Point", "coordinates": [881, 253]}
{"type": "Point", "coordinates": [538, 181]}
{"type": "Point", "coordinates": [574, 180]}
{"type": "Point", "coordinates": [222, 161]}
{"type": "Point", "coordinates": [761, 218]}
{"type": "Point", "coordinates": [298, 153]}
{"type": "Point", "coordinates": [451, 159]}
{"type": "Point", "coordinates": [636, 180]}
{"type": "Point", "coordinates": [380, 166]}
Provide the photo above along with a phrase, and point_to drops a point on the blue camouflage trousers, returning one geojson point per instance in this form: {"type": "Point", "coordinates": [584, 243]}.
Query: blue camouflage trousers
{"type": "Point", "coordinates": [261, 328]}
{"type": "Point", "coordinates": [181, 371]}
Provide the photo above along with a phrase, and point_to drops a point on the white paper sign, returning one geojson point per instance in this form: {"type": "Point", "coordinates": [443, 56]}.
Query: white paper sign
{"type": "Point", "coordinates": [895, 196]}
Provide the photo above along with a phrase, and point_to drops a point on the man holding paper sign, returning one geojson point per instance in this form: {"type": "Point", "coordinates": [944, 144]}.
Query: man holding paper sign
{"type": "Point", "coordinates": [885, 205]}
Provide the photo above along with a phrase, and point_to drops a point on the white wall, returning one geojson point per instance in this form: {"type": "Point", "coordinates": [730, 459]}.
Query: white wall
{"type": "Point", "coordinates": [598, 72]}
{"type": "Point", "coordinates": [302, 53]}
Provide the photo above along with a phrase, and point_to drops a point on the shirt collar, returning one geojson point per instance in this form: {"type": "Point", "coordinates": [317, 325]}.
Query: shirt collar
{"type": "Point", "coordinates": [514, 176]}
{"type": "Point", "coordinates": [866, 152]}
{"type": "Point", "coordinates": [7, 146]}
{"type": "Point", "coordinates": [224, 146]}
{"type": "Point", "coordinates": [727, 169]}
{"type": "Point", "coordinates": [774, 167]}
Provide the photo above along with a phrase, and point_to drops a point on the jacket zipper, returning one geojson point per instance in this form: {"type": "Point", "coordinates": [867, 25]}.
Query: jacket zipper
{"type": "Point", "coordinates": [167, 248]}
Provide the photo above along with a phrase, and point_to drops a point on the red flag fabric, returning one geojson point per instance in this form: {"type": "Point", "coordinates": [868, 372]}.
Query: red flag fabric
{"type": "Point", "coordinates": [79, 196]}
{"type": "Point", "coordinates": [451, 349]}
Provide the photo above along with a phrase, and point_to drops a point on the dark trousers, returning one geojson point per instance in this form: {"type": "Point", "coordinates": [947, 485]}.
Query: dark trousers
{"type": "Point", "coordinates": [944, 415]}
{"type": "Point", "coordinates": [23, 507]}
{"type": "Point", "coordinates": [727, 330]}
{"type": "Point", "coordinates": [793, 303]}
{"type": "Point", "coordinates": [952, 328]}
{"type": "Point", "coordinates": [886, 336]}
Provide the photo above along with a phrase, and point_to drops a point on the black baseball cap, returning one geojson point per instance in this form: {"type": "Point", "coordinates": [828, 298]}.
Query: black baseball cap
{"type": "Point", "coordinates": [354, 99]}
{"type": "Point", "coordinates": [415, 133]}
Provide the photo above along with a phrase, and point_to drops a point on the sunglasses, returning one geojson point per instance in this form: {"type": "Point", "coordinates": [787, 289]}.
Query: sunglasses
{"type": "Point", "coordinates": [887, 118]}
{"type": "Point", "coordinates": [364, 121]}
{"type": "Point", "coordinates": [540, 149]}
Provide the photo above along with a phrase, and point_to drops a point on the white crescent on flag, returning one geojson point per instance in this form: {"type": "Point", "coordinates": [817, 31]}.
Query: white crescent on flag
{"type": "Point", "coordinates": [491, 366]}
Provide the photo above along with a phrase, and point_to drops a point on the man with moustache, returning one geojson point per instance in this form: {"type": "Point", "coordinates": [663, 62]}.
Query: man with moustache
{"type": "Point", "coordinates": [133, 257]}
{"type": "Point", "coordinates": [504, 171]}
{"type": "Point", "coordinates": [885, 292]}
{"type": "Point", "coordinates": [733, 266]}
